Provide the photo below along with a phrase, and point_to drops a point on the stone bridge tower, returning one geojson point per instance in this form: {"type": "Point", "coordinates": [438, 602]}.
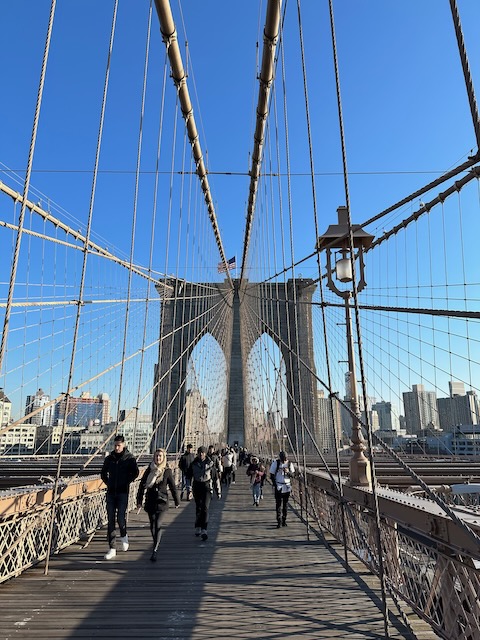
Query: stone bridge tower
{"type": "Point", "coordinates": [191, 310]}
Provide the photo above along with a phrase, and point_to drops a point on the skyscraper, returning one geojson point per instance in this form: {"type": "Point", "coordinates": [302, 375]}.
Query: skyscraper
{"type": "Point", "coordinates": [387, 416]}
{"type": "Point", "coordinates": [420, 409]}
{"type": "Point", "coordinates": [83, 411]}
{"type": "Point", "coordinates": [456, 388]}
{"type": "Point", "coordinates": [458, 409]}
{"type": "Point", "coordinates": [44, 416]}
{"type": "Point", "coordinates": [331, 433]}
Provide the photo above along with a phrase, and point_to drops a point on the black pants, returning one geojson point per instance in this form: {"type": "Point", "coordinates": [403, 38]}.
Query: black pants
{"type": "Point", "coordinates": [227, 475]}
{"type": "Point", "coordinates": [116, 509]}
{"type": "Point", "coordinates": [156, 518]}
{"type": "Point", "coordinates": [281, 501]}
{"type": "Point", "coordinates": [203, 497]}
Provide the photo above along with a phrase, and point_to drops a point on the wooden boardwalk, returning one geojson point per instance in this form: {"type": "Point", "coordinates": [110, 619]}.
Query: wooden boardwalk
{"type": "Point", "coordinates": [248, 580]}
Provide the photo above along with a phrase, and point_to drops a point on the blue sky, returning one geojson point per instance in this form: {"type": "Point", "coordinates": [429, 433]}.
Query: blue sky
{"type": "Point", "coordinates": [404, 103]}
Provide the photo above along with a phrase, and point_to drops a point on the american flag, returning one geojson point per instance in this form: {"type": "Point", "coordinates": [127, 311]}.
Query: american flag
{"type": "Point", "coordinates": [231, 264]}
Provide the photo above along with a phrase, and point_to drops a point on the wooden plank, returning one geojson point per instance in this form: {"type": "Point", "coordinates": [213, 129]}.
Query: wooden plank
{"type": "Point", "coordinates": [248, 580]}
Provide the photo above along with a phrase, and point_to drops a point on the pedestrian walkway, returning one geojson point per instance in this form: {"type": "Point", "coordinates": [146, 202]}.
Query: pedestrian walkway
{"type": "Point", "coordinates": [248, 580]}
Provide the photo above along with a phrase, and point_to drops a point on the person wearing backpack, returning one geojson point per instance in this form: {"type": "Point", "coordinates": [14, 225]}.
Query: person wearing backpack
{"type": "Point", "coordinates": [281, 474]}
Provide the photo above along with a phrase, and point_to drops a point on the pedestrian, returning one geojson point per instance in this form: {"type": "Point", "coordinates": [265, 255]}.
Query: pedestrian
{"type": "Point", "coordinates": [217, 470]}
{"type": "Point", "coordinates": [154, 483]}
{"type": "Point", "coordinates": [256, 472]}
{"type": "Point", "coordinates": [281, 474]}
{"type": "Point", "coordinates": [119, 470]}
{"type": "Point", "coordinates": [200, 472]}
{"type": "Point", "coordinates": [185, 461]}
{"type": "Point", "coordinates": [234, 453]}
{"type": "Point", "coordinates": [227, 462]}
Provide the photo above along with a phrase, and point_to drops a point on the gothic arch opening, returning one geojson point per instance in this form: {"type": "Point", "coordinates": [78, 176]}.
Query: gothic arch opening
{"type": "Point", "coordinates": [265, 397]}
{"type": "Point", "coordinates": [206, 393]}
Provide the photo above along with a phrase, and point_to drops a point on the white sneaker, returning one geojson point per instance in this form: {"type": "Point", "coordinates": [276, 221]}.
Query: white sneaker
{"type": "Point", "coordinates": [124, 543]}
{"type": "Point", "coordinates": [111, 553]}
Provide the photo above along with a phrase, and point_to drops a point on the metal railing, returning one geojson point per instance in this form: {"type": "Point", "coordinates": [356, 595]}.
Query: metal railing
{"type": "Point", "coordinates": [430, 562]}
{"type": "Point", "coordinates": [26, 515]}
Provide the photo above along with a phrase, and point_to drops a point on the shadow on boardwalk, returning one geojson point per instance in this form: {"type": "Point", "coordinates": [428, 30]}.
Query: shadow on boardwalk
{"type": "Point", "coordinates": [248, 580]}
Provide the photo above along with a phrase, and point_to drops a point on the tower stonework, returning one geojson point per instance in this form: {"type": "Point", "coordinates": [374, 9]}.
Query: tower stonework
{"type": "Point", "coordinates": [285, 313]}
{"type": "Point", "coordinates": [191, 310]}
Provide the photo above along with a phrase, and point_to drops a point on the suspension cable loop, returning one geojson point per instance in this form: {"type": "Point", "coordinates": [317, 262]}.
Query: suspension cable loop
{"type": "Point", "coordinates": [466, 70]}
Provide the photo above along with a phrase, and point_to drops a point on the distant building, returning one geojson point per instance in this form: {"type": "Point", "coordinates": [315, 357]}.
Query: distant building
{"type": "Point", "coordinates": [462, 440]}
{"type": "Point", "coordinates": [48, 438]}
{"type": "Point", "coordinates": [459, 409]}
{"type": "Point", "coordinates": [39, 400]}
{"type": "Point", "coordinates": [373, 419]}
{"type": "Point", "coordinates": [83, 411]}
{"type": "Point", "coordinates": [330, 431]}
{"type": "Point", "coordinates": [465, 440]}
{"type": "Point", "coordinates": [92, 439]}
{"type": "Point", "coordinates": [456, 388]}
{"type": "Point", "coordinates": [420, 409]}
{"type": "Point", "coordinates": [139, 433]}
{"type": "Point", "coordinates": [5, 409]}
{"type": "Point", "coordinates": [196, 419]}
{"type": "Point", "coordinates": [18, 440]}
{"type": "Point", "coordinates": [388, 419]}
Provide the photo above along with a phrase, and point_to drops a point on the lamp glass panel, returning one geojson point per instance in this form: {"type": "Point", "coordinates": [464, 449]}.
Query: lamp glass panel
{"type": "Point", "coordinates": [343, 270]}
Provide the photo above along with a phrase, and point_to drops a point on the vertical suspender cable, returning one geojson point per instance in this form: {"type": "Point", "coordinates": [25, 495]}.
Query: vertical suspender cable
{"type": "Point", "coordinates": [320, 280]}
{"type": "Point", "coordinates": [133, 233]}
{"type": "Point", "coordinates": [294, 291]}
{"type": "Point", "coordinates": [152, 235]}
{"type": "Point", "coordinates": [26, 185]}
{"type": "Point", "coordinates": [82, 281]}
{"type": "Point", "coordinates": [270, 36]}
{"type": "Point", "coordinates": [357, 318]}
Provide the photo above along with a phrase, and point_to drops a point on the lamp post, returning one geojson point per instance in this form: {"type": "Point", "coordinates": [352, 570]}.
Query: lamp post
{"type": "Point", "coordinates": [349, 241]}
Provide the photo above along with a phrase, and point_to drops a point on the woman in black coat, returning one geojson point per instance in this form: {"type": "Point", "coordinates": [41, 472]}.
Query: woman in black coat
{"type": "Point", "coordinates": [155, 480]}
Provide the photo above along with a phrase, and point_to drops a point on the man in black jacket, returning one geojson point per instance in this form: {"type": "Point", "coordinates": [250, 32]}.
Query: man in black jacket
{"type": "Point", "coordinates": [200, 471]}
{"type": "Point", "coordinates": [118, 472]}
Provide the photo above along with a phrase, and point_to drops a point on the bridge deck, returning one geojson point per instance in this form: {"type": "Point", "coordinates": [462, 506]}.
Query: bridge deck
{"type": "Point", "coordinates": [249, 580]}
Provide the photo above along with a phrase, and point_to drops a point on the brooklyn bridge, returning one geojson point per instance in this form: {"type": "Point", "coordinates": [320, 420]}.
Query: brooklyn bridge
{"type": "Point", "coordinates": [251, 226]}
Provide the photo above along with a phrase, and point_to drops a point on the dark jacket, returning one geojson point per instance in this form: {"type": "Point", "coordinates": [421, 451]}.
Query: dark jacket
{"type": "Point", "coordinates": [185, 461]}
{"type": "Point", "coordinates": [216, 464]}
{"type": "Point", "coordinates": [201, 471]}
{"type": "Point", "coordinates": [118, 471]}
{"type": "Point", "coordinates": [156, 497]}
